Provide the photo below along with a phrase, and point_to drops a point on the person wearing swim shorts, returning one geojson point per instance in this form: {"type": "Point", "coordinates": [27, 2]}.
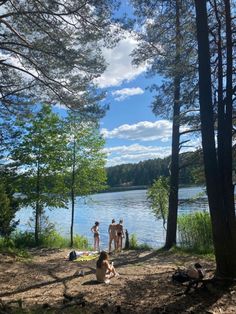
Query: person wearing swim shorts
{"type": "Point", "coordinates": [120, 235]}
{"type": "Point", "coordinates": [112, 234]}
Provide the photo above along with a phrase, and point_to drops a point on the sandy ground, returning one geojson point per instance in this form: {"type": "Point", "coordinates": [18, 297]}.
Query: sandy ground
{"type": "Point", "coordinates": [49, 283]}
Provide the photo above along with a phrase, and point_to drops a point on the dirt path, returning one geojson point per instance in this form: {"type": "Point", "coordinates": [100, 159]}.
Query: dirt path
{"type": "Point", "coordinates": [50, 283]}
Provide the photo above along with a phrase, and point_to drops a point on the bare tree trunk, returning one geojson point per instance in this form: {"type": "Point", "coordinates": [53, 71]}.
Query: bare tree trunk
{"type": "Point", "coordinates": [228, 127]}
{"type": "Point", "coordinates": [223, 235]}
{"type": "Point", "coordinates": [37, 207]}
{"type": "Point", "coordinates": [174, 167]}
{"type": "Point", "coordinates": [72, 197]}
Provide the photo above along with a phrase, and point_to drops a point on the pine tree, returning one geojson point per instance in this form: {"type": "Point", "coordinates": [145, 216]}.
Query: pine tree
{"type": "Point", "coordinates": [218, 178]}
{"type": "Point", "coordinates": [51, 50]}
{"type": "Point", "coordinates": [167, 41]}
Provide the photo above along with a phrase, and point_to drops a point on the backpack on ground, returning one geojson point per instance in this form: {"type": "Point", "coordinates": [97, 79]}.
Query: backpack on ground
{"type": "Point", "coordinates": [72, 256]}
{"type": "Point", "coordinates": [180, 276]}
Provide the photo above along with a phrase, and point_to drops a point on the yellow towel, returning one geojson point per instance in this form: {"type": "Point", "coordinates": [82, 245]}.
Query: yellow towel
{"type": "Point", "coordinates": [84, 258]}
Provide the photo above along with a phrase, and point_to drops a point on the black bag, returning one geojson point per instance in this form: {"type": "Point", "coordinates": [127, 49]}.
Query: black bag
{"type": "Point", "coordinates": [180, 276]}
{"type": "Point", "coordinates": [72, 256]}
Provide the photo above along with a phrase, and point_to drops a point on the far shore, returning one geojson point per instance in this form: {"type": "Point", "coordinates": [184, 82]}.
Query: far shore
{"type": "Point", "coordinates": [137, 187]}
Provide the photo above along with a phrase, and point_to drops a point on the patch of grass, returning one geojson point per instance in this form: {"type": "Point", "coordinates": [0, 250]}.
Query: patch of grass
{"type": "Point", "coordinates": [190, 251]}
{"type": "Point", "coordinates": [195, 233]}
{"type": "Point", "coordinates": [185, 252]}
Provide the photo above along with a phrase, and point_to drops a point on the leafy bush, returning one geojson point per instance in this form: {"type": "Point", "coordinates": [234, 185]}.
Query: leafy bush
{"type": "Point", "coordinates": [134, 245]}
{"type": "Point", "coordinates": [24, 239]}
{"type": "Point", "coordinates": [53, 239]}
{"type": "Point", "coordinates": [7, 245]}
{"type": "Point", "coordinates": [195, 233]}
{"type": "Point", "coordinates": [133, 242]}
{"type": "Point", "coordinates": [81, 242]}
{"type": "Point", "coordinates": [50, 239]}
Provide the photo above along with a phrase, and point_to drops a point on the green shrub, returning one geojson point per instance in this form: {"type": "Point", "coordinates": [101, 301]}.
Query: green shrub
{"type": "Point", "coordinates": [23, 239]}
{"type": "Point", "coordinates": [133, 242]}
{"type": "Point", "coordinates": [7, 245]}
{"type": "Point", "coordinates": [81, 242]}
{"type": "Point", "coordinates": [195, 233]}
{"type": "Point", "coordinates": [51, 239]}
{"type": "Point", "coordinates": [134, 245]}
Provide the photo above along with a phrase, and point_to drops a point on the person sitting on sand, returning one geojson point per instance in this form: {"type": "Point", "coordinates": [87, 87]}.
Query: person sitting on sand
{"type": "Point", "coordinates": [95, 231]}
{"type": "Point", "coordinates": [120, 234]}
{"type": "Point", "coordinates": [104, 270]}
{"type": "Point", "coordinates": [112, 234]}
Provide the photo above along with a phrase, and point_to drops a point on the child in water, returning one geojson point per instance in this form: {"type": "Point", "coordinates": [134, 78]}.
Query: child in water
{"type": "Point", "coordinates": [105, 270]}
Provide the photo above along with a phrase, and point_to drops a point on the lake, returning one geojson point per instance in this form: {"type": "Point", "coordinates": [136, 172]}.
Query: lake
{"type": "Point", "coordinates": [131, 206]}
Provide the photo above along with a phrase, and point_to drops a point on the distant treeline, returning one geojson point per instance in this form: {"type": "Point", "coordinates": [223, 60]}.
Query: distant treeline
{"type": "Point", "coordinates": [145, 172]}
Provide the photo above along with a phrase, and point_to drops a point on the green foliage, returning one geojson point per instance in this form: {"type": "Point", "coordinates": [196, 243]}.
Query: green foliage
{"type": "Point", "coordinates": [158, 195]}
{"type": "Point", "coordinates": [134, 245]}
{"type": "Point", "coordinates": [51, 239]}
{"type": "Point", "coordinates": [58, 48]}
{"type": "Point", "coordinates": [145, 172]}
{"type": "Point", "coordinates": [23, 239]}
{"type": "Point", "coordinates": [142, 173]}
{"type": "Point", "coordinates": [7, 245]}
{"type": "Point", "coordinates": [85, 160]}
{"type": "Point", "coordinates": [40, 156]}
{"type": "Point", "coordinates": [81, 242]}
{"type": "Point", "coordinates": [133, 242]}
{"type": "Point", "coordinates": [195, 232]}
{"type": "Point", "coordinates": [8, 208]}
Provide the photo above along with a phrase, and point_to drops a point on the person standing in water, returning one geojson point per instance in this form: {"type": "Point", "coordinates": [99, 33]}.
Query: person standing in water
{"type": "Point", "coordinates": [96, 236]}
{"type": "Point", "coordinates": [120, 235]}
{"type": "Point", "coordinates": [112, 234]}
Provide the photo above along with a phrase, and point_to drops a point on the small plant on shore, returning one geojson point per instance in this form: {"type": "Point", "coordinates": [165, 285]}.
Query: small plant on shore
{"type": "Point", "coordinates": [194, 232]}
{"type": "Point", "coordinates": [134, 245]}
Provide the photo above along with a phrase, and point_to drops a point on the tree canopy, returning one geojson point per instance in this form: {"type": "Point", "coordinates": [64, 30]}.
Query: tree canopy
{"type": "Point", "coordinates": [51, 50]}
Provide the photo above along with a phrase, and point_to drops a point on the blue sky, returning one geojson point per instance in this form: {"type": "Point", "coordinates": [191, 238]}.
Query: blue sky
{"type": "Point", "coordinates": [131, 130]}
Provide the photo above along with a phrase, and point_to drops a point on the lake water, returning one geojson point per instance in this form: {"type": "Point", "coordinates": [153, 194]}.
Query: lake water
{"type": "Point", "coordinates": [131, 206]}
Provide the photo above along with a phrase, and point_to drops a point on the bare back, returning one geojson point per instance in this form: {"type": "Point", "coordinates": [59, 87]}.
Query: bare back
{"type": "Point", "coordinates": [112, 230]}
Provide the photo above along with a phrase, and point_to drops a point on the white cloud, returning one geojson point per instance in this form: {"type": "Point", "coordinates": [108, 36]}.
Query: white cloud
{"type": "Point", "coordinates": [143, 131]}
{"type": "Point", "coordinates": [134, 153]}
{"type": "Point", "coordinates": [124, 93]}
{"type": "Point", "coordinates": [119, 67]}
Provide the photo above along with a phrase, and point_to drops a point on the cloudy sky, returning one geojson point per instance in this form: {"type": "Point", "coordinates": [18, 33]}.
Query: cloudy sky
{"type": "Point", "coordinates": [131, 130]}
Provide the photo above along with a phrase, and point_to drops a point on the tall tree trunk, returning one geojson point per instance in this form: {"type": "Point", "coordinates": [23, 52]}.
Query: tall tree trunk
{"type": "Point", "coordinates": [220, 98]}
{"type": "Point", "coordinates": [223, 236]}
{"type": "Point", "coordinates": [228, 181]}
{"type": "Point", "coordinates": [174, 167]}
{"type": "Point", "coordinates": [37, 207]}
{"type": "Point", "coordinates": [72, 196]}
